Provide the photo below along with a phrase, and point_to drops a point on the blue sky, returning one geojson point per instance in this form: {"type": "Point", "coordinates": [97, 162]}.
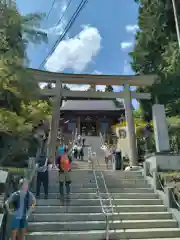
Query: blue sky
{"type": "Point", "coordinates": [98, 42]}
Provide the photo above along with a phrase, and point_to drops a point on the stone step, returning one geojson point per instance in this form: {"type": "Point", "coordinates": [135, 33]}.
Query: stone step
{"type": "Point", "coordinates": [120, 176]}
{"type": "Point", "coordinates": [87, 167]}
{"type": "Point", "coordinates": [98, 209]}
{"type": "Point", "coordinates": [107, 177]}
{"type": "Point", "coordinates": [101, 184]}
{"type": "Point", "coordinates": [115, 174]}
{"type": "Point", "coordinates": [101, 234]}
{"type": "Point", "coordinates": [113, 189]}
{"type": "Point", "coordinates": [86, 181]}
{"type": "Point", "coordinates": [100, 225]}
{"type": "Point", "coordinates": [86, 177]}
{"type": "Point", "coordinates": [121, 173]}
{"type": "Point", "coordinates": [157, 239]}
{"type": "Point", "coordinates": [109, 182]}
{"type": "Point", "coordinates": [113, 195]}
{"type": "Point", "coordinates": [96, 202]}
{"type": "Point", "coordinates": [59, 217]}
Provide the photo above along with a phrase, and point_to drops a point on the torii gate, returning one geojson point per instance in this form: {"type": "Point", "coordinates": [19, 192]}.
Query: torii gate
{"type": "Point", "coordinates": [58, 93]}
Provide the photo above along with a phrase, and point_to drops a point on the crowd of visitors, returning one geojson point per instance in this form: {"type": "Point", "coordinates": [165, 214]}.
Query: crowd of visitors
{"type": "Point", "coordinates": [22, 201]}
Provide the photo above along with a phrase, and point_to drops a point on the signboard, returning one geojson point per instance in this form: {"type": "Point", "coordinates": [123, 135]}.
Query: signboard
{"type": "Point", "coordinates": [122, 133]}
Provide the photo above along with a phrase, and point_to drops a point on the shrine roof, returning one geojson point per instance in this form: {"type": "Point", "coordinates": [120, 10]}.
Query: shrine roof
{"type": "Point", "coordinates": [92, 105]}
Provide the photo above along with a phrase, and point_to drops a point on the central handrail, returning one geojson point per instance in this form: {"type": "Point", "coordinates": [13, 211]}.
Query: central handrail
{"type": "Point", "coordinates": [106, 188]}
{"type": "Point", "coordinates": [107, 211]}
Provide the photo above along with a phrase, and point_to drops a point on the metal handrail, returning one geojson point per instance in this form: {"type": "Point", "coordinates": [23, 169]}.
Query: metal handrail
{"type": "Point", "coordinates": [106, 188]}
{"type": "Point", "coordinates": [176, 203]}
{"type": "Point", "coordinates": [175, 200]}
{"type": "Point", "coordinates": [105, 209]}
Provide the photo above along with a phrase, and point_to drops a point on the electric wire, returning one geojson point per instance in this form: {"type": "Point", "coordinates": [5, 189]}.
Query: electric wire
{"type": "Point", "coordinates": [50, 10]}
{"type": "Point", "coordinates": [62, 16]}
{"type": "Point", "coordinates": [67, 28]}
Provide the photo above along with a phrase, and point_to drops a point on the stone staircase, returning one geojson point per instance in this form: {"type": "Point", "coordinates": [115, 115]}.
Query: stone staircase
{"type": "Point", "coordinates": [86, 166]}
{"type": "Point", "coordinates": [138, 213]}
{"type": "Point", "coordinates": [95, 143]}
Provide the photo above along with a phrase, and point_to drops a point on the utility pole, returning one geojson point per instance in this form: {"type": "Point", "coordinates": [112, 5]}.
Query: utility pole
{"type": "Point", "coordinates": [176, 22]}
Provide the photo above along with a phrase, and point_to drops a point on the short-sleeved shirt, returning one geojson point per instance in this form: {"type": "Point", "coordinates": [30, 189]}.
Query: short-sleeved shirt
{"type": "Point", "coordinates": [19, 213]}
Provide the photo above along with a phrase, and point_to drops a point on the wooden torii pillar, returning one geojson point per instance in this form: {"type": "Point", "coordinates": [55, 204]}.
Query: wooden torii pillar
{"type": "Point", "coordinates": [55, 122]}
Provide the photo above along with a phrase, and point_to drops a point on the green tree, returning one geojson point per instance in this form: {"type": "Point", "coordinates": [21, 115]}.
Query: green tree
{"type": "Point", "coordinates": [19, 109]}
{"type": "Point", "coordinates": [108, 88]}
{"type": "Point", "coordinates": [156, 52]}
{"type": "Point", "coordinates": [16, 84]}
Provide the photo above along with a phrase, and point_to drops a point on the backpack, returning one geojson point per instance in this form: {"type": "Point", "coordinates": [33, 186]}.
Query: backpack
{"type": "Point", "coordinates": [65, 163]}
{"type": "Point", "coordinates": [16, 202]}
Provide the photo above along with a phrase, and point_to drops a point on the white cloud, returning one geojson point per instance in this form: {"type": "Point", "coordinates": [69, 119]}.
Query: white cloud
{"type": "Point", "coordinates": [127, 70]}
{"type": "Point", "coordinates": [75, 87]}
{"type": "Point", "coordinates": [43, 85]}
{"type": "Point", "coordinates": [126, 45]}
{"type": "Point", "coordinates": [129, 44]}
{"type": "Point", "coordinates": [117, 88]}
{"type": "Point", "coordinates": [100, 88]}
{"type": "Point", "coordinates": [97, 72]}
{"type": "Point", "coordinates": [77, 52]}
{"type": "Point", "coordinates": [61, 6]}
{"type": "Point", "coordinates": [56, 30]}
{"type": "Point", "coordinates": [132, 28]}
{"type": "Point", "coordinates": [64, 7]}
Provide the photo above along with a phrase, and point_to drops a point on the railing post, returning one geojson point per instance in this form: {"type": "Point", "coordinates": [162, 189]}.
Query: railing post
{"type": "Point", "coordinates": [107, 227]}
{"type": "Point", "coordinates": [168, 197]}
{"type": "Point", "coordinates": [113, 162]}
{"type": "Point", "coordinates": [155, 180]}
{"type": "Point", "coordinates": [146, 169]}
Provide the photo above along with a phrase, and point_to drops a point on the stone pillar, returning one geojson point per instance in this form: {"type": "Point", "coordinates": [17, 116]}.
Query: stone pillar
{"type": "Point", "coordinates": [160, 128]}
{"type": "Point", "coordinates": [55, 122]}
{"type": "Point", "coordinates": [130, 126]}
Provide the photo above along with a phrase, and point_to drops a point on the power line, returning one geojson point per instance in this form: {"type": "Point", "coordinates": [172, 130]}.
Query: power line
{"type": "Point", "coordinates": [60, 20]}
{"type": "Point", "coordinates": [67, 28]}
{"type": "Point", "coordinates": [52, 6]}
{"type": "Point", "coordinates": [64, 12]}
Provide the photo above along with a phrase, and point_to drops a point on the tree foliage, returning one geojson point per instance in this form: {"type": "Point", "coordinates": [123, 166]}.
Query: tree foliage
{"type": "Point", "coordinates": [156, 52]}
{"type": "Point", "coordinates": [108, 88]}
{"type": "Point", "coordinates": [19, 108]}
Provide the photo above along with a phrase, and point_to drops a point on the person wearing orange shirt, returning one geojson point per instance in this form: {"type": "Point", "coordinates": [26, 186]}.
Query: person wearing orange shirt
{"type": "Point", "coordinates": [64, 173]}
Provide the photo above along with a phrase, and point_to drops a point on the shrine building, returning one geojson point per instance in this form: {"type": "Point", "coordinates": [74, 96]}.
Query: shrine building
{"type": "Point", "coordinates": [90, 116]}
